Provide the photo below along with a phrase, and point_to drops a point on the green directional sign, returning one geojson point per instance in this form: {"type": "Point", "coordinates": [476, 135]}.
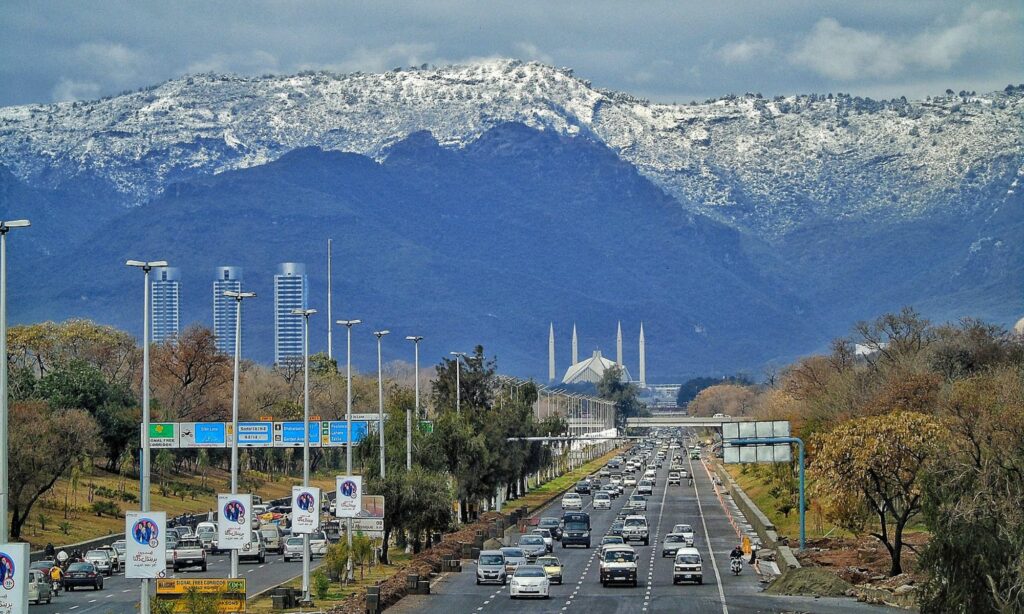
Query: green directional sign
{"type": "Point", "coordinates": [426, 426]}
{"type": "Point", "coordinates": [163, 435]}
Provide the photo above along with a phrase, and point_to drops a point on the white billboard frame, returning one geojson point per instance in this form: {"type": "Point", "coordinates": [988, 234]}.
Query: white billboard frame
{"type": "Point", "coordinates": [305, 509]}
{"type": "Point", "coordinates": [348, 497]}
{"type": "Point", "coordinates": [234, 521]}
{"type": "Point", "coordinates": [145, 552]}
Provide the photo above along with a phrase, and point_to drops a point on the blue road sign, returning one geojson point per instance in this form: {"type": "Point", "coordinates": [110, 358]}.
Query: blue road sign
{"type": "Point", "coordinates": [289, 434]}
{"type": "Point", "coordinates": [337, 432]}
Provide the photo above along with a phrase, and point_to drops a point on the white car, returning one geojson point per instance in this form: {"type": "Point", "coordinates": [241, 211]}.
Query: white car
{"type": "Point", "coordinates": [572, 501]}
{"type": "Point", "coordinates": [618, 564]}
{"type": "Point", "coordinates": [529, 581]}
{"type": "Point", "coordinates": [602, 501]}
{"type": "Point", "coordinates": [39, 587]}
{"type": "Point", "coordinates": [293, 548]}
{"type": "Point", "coordinates": [688, 566]}
{"type": "Point", "coordinates": [549, 539]}
{"type": "Point", "coordinates": [637, 502]}
{"type": "Point", "coordinates": [686, 531]}
{"type": "Point", "coordinates": [317, 544]}
{"type": "Point", "coordinates": [630, 480]}
{"type": "Point", "coordinates": [673, 478]}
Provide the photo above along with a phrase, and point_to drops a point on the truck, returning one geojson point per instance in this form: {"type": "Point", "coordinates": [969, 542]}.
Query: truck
{"type": "Point", "coordinates": [189, 552]}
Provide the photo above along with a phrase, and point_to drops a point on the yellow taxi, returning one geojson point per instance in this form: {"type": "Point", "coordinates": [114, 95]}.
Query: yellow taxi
{"type": "Point", "coordinates": [552, 567]}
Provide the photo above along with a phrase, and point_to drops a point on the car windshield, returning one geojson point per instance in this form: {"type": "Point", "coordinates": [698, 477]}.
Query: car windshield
{"type": "Point", "coordinates": [674, 538]}
{"type": "Point", "coordinates": [269, 533]}
{"type": "Point", "coordinates": [688, 559]}
{"type": "Point", "coordinates": [635, 522]}
{"type": "Point", "coordinates": [530, 572]}
{"type": "Point", "coordinates": [612, 539]}
{"type": "Point", "coordinates": [512, 553]}
{"type": "Point", "coordinates": [637, 498]}
{"type": "Point", "coordinates": [682, 528]}
{"type": "Point", "coordinates": [294, 541]}
{"type": "Point", "coordinates": [97, 554]}
{"type": "Point", "coordinates": [81, 567]}
{"type": "Point", "coordinates": [492, 559]}
{"type": "Point", "coordinates": [617, 524]}
{"type": "Point", "coordinates": [548, 561]}
{"type": "Point", "coordinates": [601, 495]}
{"type": "Point", "coordinates": [41, 565]}
{"type": "Point", "coordinates": [542, 532]}
{"type": "Point", "coordinates": [548, 522]}
{"type": "Point", "coordinates": [531, 540]}
{"type": "Point", "coordinates": [619, 556]}
{"type": "Point", "coordinates": [575, 526]}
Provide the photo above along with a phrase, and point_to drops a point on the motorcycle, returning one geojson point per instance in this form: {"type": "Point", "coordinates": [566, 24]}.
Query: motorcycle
{"type": "Point", "coordinates": [55, 586]}
{"type": "Point", "coordinates": [736, 565]}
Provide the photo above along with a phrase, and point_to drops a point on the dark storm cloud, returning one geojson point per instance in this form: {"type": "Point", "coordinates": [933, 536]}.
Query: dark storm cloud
{"type": "Point", "coordinates": [665, 50]}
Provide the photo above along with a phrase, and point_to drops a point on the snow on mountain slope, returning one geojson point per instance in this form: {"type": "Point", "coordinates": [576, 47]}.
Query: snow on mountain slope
{"type": "Point", "coordinates": [767, 166]}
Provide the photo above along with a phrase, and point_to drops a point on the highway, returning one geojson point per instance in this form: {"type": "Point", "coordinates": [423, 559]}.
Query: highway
{"type": "Point", "coordinates": [121, 596]}
{"type": "Point", "coordinates": [721, 593]}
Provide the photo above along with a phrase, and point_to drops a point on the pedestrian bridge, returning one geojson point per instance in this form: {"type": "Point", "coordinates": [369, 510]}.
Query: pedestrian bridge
{"type": "Point", "coordinates": [680, 419]}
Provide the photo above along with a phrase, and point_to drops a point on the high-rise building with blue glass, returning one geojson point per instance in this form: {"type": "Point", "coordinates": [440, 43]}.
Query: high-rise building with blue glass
{"type": "Point", "coordinates": [290, 292]}
{"type": "Point", "coordinates": [229, 278]}
{"type": "Point", "coordinates": [166, 293]}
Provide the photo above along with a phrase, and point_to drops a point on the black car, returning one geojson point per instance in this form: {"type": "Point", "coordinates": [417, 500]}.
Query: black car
{"type": "Point", "coordinates": [616, 528]}
{"type": "Point", "coordinates": [583, 487]}
{"type": "Point", "coordinates": [551, 524]}
{"type": "Point", "coordinates": [83, 574]}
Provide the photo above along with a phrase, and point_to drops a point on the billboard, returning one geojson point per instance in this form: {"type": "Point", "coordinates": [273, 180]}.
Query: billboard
{"type": "Point", "coordinates": [234, 521]}
{"type": "Point", "coordinates": [370, 519]}
{"type": "Point", "coordinates": [755, 453]}
{"type": "Point", "coordinates": [305, 509]}
{"type": "Point", "coordinates": [228, 593]}
{"type": "Point", "coordinates": [349, 496]}
{"type": "Point", "coordinates": [13, 578]}
{"type": "Point", "coordinates": [145, 545]}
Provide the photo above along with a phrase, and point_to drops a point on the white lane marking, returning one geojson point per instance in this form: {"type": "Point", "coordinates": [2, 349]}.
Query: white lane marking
{"type": "Point", "coordinates": [74, 607]}
{"type": "Point", "coordinates": [707, 536]}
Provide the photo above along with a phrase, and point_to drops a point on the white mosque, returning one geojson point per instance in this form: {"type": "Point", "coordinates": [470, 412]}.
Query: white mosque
{"type": "Point", "coordinates": [592, 369]}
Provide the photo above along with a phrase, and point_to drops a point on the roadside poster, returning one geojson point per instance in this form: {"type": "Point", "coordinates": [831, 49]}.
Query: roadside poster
{"type": "Point", "coordinates": [305, 509]}
{"type": "Point", "coordinates": [13, 578]}
{"type": "Point", "coordinates": [228, 593]}
{"type": "Point", "coordinates": [349, 496]}
{"type": "Point", "coordinates": [234, 520]}
{"type": "Point", "coordinates": [370, 519]}
{"type": "Point", "coordinates": [145, 546]}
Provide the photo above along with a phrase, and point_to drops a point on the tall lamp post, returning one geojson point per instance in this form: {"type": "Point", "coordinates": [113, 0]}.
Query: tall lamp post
{"type": "Point", "coordinates": [305, 313]}
{"type": "Point", "coordinates": [348, 324]}
{"type": "Point", "coordinates": [459, 356]}
{"type": "Point", "coordinates": [379, 334]}
{"type": "Point", "coordinates": [5, 227]}
{"type": "Point", "coordinates": [408, 414]}
{"type": "Point", "coordinates": [144, 464]}
{"type": "Point", "coordinates": [239, 297]}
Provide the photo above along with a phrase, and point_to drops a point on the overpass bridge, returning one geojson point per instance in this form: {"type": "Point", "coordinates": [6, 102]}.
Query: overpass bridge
{"type": "Point", "coordinates": [680, 419]}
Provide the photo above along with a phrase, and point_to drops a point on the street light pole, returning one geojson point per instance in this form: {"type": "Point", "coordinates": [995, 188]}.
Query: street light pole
{"type": "Point", "coordinates": [408, 414]}
{"type": "Point", "coordinates": [458, 385]}
{"type": "Point", "coordinates": [305, 313]}
{"type": "Point", "coordinates": [239, 297]}
{"type": "Point", "coordinates": [5, 227]}
{"type": "Point", "coordinates": [380, 396]}
{"type": "Point", "coordinates": [144, 464]}
{"type": "Point", "coordinates": [348, 324]}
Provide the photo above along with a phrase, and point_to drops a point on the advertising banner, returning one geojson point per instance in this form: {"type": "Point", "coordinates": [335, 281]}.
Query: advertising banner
{"type": "Point", "coordinates": [370, 519]}
{"type": "Point", "coordinates": [13, 578]}
{"type": "Point", "coordinates": [228, 593]}
{"type": "Point", "coordinates": [234, 520]}
{"type": "Point", "coordinates": [349, 496]}
{"type": "Point", "coordinates": [145, 546]}
{"type": "Point", "coordinates": [305, 509]}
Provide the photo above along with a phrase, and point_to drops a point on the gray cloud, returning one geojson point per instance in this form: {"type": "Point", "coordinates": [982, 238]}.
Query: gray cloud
{"type": "Point", "coordinates": [661, 49]}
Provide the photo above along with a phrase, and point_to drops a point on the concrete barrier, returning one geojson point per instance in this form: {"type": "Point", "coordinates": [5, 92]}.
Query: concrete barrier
{"type": "Point", "coordinates": [762, 525]}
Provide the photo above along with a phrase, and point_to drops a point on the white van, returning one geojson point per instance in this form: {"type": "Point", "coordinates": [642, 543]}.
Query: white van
{"type": "Point", "coordinates": [206, 532]}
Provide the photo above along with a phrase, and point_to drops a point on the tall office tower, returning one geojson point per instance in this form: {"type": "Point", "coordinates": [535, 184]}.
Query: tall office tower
{"type": "Point", "coordinates": [166, 296]}
{"type": "Point", "coordinates": [290, 292]}
{"type": "Point", "coordinates": [229, 278]}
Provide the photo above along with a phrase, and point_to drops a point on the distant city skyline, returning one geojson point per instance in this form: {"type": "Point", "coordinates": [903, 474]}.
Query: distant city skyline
{"type": "Point", "coordinates": [228, 278]}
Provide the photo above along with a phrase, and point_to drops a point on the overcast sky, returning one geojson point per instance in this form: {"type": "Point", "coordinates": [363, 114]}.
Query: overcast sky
{"type": "Point", "coordinates": [665, 50]}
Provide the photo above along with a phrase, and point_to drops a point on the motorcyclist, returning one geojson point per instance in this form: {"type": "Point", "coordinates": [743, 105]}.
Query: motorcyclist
{"type": "Point", "coordinates": [737, 553]}
{"type": "Point", "coordinates": [57, 576]}
{"type": "Point", "coordinates": [50, 551]}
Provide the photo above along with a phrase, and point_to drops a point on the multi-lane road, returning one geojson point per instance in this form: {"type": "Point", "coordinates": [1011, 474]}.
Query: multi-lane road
{"type": "Point", "coordinates": [121, 596]}
{"type": "Point", "coordinates": [721, 593]}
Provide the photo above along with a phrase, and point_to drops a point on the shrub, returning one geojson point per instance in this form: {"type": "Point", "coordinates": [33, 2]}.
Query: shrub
{"type": "Point", "coordinates": [321, 584]}
{"type": "Point", "coordinates": [101, 508]}
{"type": "Point", "coordinates": [65, 527]}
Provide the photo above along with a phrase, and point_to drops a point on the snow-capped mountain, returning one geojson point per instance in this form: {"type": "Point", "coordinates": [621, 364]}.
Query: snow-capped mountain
{"type": "Point", "coordinates": [764, 166]}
